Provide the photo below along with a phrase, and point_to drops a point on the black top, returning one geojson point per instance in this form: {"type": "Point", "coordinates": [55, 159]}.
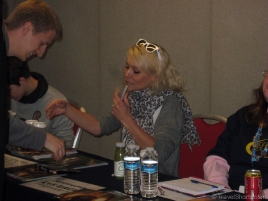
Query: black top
{"type": "Point", "coordinates": [4, 123]}
{"type": "Point", "coordinates": [235, 145]}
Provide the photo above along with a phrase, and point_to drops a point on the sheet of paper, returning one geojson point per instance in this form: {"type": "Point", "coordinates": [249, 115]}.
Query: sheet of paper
{"type": "Point", "coordinates": [59, 185]}
{"type": "Point", "coordinates": [186, 185]}
{"type": "Point", "coordinates": [12, 161]}
{"type": "Point", "coordinates": [172, 195]}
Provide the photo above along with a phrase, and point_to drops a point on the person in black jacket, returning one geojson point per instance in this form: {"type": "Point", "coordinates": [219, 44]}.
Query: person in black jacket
{"type": "Point", "coordinates": [243, 145]}
{"type": "Point", "coordinates": [3, 107]}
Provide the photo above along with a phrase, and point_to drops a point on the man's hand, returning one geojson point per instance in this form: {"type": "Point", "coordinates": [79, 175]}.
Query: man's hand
{"type": "Point", "coordinates": [56, 145]}
{"type": "Point", "coordinates": [55, 108]}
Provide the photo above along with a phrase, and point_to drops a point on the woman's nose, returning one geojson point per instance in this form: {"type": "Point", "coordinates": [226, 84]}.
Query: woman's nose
{"type": "Point", "coordinates": [127, 72]}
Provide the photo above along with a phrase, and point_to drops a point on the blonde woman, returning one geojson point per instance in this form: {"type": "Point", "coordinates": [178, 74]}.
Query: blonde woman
{"type": "Point", "coordinates": [153, 112]}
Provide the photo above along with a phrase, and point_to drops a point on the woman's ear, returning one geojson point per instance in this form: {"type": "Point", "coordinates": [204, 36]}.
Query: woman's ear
{"type": "Point", "coordinates": [153, 78]}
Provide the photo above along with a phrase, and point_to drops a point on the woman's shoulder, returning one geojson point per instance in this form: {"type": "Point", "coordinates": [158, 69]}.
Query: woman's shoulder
{"type": "Point", "coordinates": [241, 112]}
{"type": "Point", "coordinates": [239, 117]}
{"type": "Point", "coordinates": [172, 103]}
{"type": "Point", "coordinates": [172, 99]}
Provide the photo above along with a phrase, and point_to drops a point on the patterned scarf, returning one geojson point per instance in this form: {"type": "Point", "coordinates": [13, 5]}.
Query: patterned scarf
{"type": "Point", "coordinates": [143, 106]}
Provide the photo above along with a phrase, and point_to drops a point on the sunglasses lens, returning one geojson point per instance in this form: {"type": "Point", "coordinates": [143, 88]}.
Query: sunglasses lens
{"type": "Point", "coordinates": [141, 42]}
{"type": "Point", "coordinates": [151, 48]}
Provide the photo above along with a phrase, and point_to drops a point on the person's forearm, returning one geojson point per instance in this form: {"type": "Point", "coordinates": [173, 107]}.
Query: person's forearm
{"type": "Point", "coordinates": [216, 170]}
{"type": "Point", "coordinates": [24, 135]}
{"type": "Point", "coordinates": [139, 135]}
{"type": "Point", "coordinates": [87, 122]}
{"type": "Point", "coordinates": [265, 193]}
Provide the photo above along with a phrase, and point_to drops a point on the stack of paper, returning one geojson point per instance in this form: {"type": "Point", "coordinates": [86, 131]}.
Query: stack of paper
{"type": "Point", "coordinates": [35, 154]}
{"type": "Point", "coordinates": [190, 187]}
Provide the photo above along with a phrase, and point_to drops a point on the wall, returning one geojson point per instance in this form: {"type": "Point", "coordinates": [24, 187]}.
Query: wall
{"type": "Point", "coordinates": [218, 46]}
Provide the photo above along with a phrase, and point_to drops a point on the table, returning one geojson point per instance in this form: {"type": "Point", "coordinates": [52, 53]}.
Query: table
{"type": "Point", "coordinates": [101, 176]}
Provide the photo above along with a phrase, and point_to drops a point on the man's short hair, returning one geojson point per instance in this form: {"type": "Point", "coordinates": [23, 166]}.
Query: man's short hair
{"type": "Point", "coordinates": [39, 13]}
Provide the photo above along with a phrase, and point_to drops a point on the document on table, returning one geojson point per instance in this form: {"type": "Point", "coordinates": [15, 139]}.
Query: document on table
{"type": "Point", "coordinates": [12, 161]}
{"type": "Point", "coordinates": [173, 195]}
{"type": "Point", "coordinates": [59, 185]}
{"type": "Point", "coordinates": [188, 188]}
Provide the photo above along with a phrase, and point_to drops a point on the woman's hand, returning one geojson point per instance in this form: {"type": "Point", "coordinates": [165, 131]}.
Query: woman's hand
{"type": "Point", "coordinates": [55, 108]}
{"type": "Point", "coordinates": [120, 108]}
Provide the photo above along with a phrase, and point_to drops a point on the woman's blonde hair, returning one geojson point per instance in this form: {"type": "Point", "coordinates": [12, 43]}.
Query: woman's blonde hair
{"type": "Point", "coordinates": [166, 76]}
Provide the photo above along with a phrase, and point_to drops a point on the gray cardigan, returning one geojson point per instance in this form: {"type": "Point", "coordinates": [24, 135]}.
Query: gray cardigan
{"type": "Point", "coordinates": [167, 134]}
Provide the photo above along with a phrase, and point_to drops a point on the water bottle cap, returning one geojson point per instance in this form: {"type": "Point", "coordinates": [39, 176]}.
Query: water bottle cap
{"type": "Point", "coordinates": [131, 146]}
{"type": "Point", "coordinates": [149, 149]}
{"type": "Point", "coordinates": [120, 144]}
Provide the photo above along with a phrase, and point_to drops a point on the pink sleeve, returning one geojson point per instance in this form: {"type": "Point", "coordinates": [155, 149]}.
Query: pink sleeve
{"type": "Point", "coordinates": [216, 170]}
{"type": "Point", "coordinates": [265, 193]}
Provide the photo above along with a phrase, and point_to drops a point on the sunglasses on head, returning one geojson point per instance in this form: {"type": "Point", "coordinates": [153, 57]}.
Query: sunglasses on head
{"type": "Point", "coordinates": [149, 47]}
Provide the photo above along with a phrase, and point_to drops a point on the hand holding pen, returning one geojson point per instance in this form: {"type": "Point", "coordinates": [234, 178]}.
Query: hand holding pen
{"type": "Point", "coordinates": [124, 92]}
{"type": "Point", "coordinates": [120, 105]}
{"type": "Point", "coordinates": [122, 95]}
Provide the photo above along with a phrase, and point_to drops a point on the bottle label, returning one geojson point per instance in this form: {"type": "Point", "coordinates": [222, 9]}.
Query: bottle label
{"type": "Point", "coordinates": [119, 168]}
{"type": "Point", "coordinates": [132, 165]}
{"type": "Point", "coordinates": [150, 169]}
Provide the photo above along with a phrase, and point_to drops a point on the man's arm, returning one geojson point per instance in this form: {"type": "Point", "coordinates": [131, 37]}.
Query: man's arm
{"type": "Point", "coordinates": [24, 135]}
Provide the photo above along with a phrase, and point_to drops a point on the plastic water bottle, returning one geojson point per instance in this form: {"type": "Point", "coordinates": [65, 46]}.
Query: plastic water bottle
{"type": "Point", "coordinates": [149, 173]}
{"type": "Point", "coordinates": [119, 160]}
{"type": "Point", "coordinates": [132, 170]}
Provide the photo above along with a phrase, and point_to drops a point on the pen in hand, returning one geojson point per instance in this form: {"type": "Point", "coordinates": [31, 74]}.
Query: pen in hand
{"type": "Point", "coordinates": [124, 92]}
{"type": "Point", "coordinates": [198, 182]}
